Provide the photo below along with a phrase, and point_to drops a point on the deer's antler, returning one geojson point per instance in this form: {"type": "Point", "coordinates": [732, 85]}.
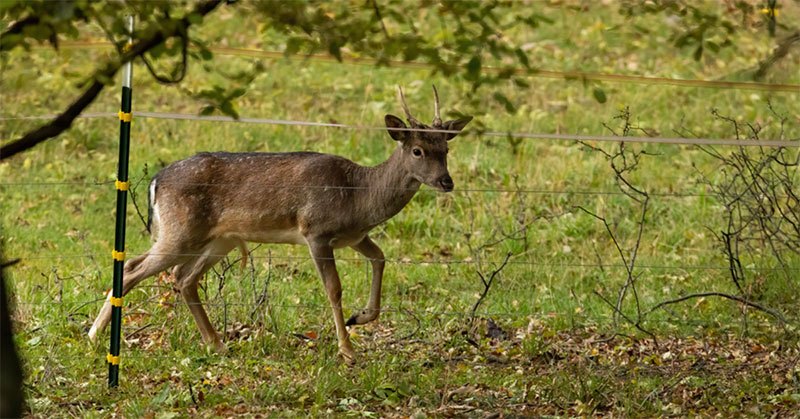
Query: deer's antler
{"type": "Point", "coordinates": [437, 119]}
{"type": "Point", "coordinates": [411, 120]}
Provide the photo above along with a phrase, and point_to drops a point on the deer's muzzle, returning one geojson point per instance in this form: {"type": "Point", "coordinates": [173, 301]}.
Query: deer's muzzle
{"type": "Point", "coordinates": [446, 183]}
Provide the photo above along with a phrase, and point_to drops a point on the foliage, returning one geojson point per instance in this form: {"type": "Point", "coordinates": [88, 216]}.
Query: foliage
{"type": "Point", "coordinates": [154, 35]}
{"type": "Point", "coordinates": [704, 29]}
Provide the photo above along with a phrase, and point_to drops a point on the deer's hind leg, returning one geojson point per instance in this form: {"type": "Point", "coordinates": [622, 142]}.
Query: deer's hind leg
{"type": "Point", "coordinates": [187, 277]}
{"type": "Point", "coordinates": [136, 270]}
{"type": "Point", "coordinates": [371, 251]}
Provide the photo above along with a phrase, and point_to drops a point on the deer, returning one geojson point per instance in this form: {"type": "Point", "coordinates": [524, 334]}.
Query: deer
{"type": "Point", "coordinates": [204, 206]}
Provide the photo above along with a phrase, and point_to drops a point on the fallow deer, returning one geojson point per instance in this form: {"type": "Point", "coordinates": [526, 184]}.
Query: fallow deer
{"type": "Point", "coordinates": [206, 205]}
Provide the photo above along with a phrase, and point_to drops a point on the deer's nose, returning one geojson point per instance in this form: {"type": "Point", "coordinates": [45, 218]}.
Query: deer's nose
{"type": "Point", "coordinates": [446, 182]}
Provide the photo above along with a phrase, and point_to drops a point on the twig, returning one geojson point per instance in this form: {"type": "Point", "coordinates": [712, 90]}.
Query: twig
{"type": "Point", "coordinates": [623, 290]}
{"type": "Point", "coordinates": [9, 263]}
{"type": "Point", "coordinates": [191, 393]}
{"type": "Point", "coordinates": [132, 192]}
{"type": "Point", "coordinates": [139, 330]}
{"type": "Point", "coordinates": [414, 332]}
{"type": "Point", "coordinates": [757, 306]}
{"type": "Point", "coordinates": [624, 161]}
{"type": "Point", "coordinates": [636, 324]}
{"type": "Point", "coordinates": [488, 284]}
{"type": "Point", "coordinates": [180, 69]}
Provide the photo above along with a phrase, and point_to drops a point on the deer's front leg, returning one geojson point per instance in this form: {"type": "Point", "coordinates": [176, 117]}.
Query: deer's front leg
{"type": "Point", "coordinates": [371, 251]}
{"type": "Point", "coordinates": [322, 253]}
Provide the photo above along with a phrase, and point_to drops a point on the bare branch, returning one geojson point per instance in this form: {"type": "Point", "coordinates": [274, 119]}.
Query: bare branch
{"type": "Point", "coordinates": [8, 263]}
{"type": "Point", "coordinates": [488, 284]}
{"type": "Point", "coordinates": [742, 300]}
{"type": "Point", "coordinates": [636, 324]}
{"type": "Point", "coordinates": [133, 194]}
{"type": "Point", "coordinates": [610, 234]}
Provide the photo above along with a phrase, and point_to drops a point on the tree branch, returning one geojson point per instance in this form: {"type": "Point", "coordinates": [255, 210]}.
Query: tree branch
{"type": "Point", "coordinates": [379, 17]}
{"type": "Point", "coordinates": [777, 54]}
{"type": "Point", "coordinates": [16, 28]}
{"type": "Point", "coordinates": [63, 121]}
{"type": "Point", "coordinates": [742, 300]}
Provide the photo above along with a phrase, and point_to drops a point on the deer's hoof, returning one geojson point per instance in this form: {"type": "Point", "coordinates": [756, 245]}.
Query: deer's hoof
{"type": "Point", "coordinates": [348, 356]}
{"type": "Point", "coordinates": [219, 347]}
{"type": "Point", "coordinates": [362, 317]}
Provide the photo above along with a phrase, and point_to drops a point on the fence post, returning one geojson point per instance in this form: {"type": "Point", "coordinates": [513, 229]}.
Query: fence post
{"type": "Point", "coordinates": [121, 184]}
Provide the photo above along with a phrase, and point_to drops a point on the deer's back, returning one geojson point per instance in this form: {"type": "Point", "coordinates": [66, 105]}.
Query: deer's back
{"type": "Point", "coordinates": [264, 197]}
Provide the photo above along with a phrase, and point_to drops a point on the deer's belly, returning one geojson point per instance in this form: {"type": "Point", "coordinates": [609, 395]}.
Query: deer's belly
{"type": "Point", "coordinates": [341, 240]}
{"type": "Point", "coordinates": [293, 236]}
{"type": "Point", "coordinates": [288, 236]}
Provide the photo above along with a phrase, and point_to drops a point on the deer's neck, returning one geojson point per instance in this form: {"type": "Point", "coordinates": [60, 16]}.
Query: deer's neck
{"type": "Point", "coordinates": [388, 188]}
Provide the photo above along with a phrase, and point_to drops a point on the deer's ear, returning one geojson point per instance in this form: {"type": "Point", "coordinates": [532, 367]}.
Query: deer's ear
{"type": "Point", "coordinates": [395, 122]}
{"type": "Point", "coordinates": [455, 125]}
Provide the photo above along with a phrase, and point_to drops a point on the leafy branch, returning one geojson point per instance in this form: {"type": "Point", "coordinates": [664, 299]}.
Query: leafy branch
{"type": "Point", "coordinates": [153, 36]}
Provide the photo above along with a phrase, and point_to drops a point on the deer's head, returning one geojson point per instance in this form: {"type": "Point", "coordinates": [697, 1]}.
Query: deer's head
{"type": "Point", "coordinates": [424, 152]}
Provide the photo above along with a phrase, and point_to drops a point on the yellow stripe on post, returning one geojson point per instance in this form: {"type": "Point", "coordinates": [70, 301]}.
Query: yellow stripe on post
{"type": "Point", "coordinates": [121, 186]}
{"type": "Point", "coordinates": [125, 116]}
{"type": "Point", "coordinates": [113, 360]}
{"type": "Point", "coordinates": [116, 302]}
{"type": "Point", "coordinates": [118, 256]}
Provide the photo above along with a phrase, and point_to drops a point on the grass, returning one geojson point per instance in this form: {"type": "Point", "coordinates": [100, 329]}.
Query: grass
{"type": "Point", "coordinates": [561, 352]}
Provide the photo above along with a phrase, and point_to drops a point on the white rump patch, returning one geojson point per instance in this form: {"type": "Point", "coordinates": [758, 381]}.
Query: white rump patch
{"type": "Point", "coordinates": [156, 221]}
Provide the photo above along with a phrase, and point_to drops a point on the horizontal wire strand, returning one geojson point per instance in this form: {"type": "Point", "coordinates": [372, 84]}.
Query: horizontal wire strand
{"type": "Point", "coordinates": [335, 187]}
{"type": "Point", "coordinates": [421, 262]}
{"type": "Point", "coordinates": [519, 135]}
{"type": "Point", "coordinates": [542, 73]}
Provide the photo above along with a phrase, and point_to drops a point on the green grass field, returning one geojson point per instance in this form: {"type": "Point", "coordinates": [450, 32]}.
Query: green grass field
{"type": "Point", "coordinates": [544, 342]}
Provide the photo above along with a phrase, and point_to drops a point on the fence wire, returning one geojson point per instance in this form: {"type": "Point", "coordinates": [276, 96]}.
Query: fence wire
{"type": "Point", "coordinates": [226, 323]}
{"type": "Point", "coordinates": [500, 134]}
{"type": "Point", "coordinates": [525, 190]}
{"type": "Point", "coordinates": [426, 262]}
{"type": "Point", "coordinates": [540, 73]}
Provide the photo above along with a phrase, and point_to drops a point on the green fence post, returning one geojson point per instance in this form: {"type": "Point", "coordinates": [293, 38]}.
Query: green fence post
{"type": "Point", "coordinates": [121, 184]}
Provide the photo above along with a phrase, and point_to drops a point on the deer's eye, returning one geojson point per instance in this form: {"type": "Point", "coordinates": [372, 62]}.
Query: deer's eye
{"type": "Point", "coordinates": [417, 152]}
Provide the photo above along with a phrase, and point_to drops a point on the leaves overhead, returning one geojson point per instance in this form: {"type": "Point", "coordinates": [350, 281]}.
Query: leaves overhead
{"type": "Point", "coordinates": [454, 37]}
{"type": "Point", "coordinates": [702, 29]}
{"type": "Point", "coordinates": [461, 38]}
